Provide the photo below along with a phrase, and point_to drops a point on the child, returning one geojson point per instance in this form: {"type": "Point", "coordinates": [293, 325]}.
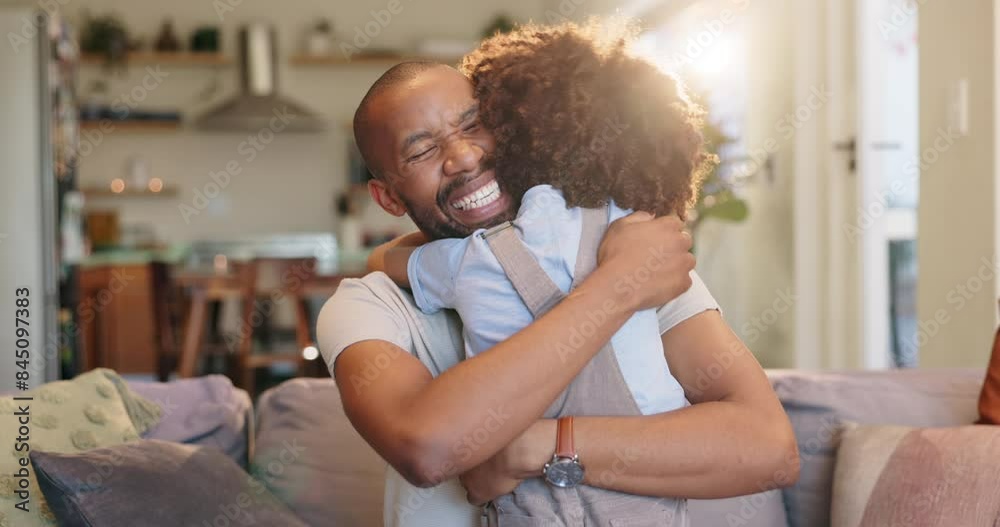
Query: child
{"type": "Point", "coordinates": [579, 124]}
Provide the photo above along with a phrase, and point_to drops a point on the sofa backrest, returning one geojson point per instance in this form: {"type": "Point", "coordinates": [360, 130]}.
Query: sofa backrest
{"type": "Point", "coordinates": [818, 402]}
{"type": "Point", "coordinates": [309, 454]}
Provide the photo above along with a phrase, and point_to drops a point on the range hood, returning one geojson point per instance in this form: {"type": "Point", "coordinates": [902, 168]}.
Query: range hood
{"type": "Point", "coordinates": [258, 105]}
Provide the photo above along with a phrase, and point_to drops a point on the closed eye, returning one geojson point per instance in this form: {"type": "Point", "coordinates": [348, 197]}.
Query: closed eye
{"type": "Point", "coordinates": [420, 155]}
{"type": "Point", "coordinates": [471, 127]}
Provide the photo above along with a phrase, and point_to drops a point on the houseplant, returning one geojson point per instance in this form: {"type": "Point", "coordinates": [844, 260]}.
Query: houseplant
{"type": "Point", "coordinates": [718, 197]}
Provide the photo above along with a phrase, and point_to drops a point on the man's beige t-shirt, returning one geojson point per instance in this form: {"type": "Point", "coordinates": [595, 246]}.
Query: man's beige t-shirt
{"type": "Point", "coordinates": [375, 308]}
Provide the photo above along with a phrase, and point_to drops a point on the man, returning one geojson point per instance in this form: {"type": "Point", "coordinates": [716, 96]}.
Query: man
{"type": "Point", "coordinates": [435, 418]}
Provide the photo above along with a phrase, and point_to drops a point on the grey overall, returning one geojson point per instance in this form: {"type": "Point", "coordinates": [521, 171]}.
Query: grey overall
{"type": "Point", "coordinates": [599, 389]}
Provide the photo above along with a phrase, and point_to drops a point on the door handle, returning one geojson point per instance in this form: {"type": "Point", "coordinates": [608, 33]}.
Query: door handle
{"type": "Point", "coordinates": [886, 145]}
{"type": "Point", "coordinates": [851, 147]}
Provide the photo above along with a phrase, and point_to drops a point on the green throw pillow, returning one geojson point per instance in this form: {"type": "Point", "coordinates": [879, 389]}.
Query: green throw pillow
{"type": "Point", "coordinates": [96, 409]}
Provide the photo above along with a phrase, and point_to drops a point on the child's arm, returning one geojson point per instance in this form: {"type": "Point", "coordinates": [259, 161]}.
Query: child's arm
{"type": "Point", "coordinates": [392, 257]}
{"type": "Point", "coordinates": [395, 262]}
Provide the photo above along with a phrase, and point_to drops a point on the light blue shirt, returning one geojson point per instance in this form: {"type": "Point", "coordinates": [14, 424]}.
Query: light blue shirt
{"type": "Point", "coordinates": [464, 275]}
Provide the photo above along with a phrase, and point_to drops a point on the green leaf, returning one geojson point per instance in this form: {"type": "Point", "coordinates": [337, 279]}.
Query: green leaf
{"type": "Point", "coordinates": [733, 209]}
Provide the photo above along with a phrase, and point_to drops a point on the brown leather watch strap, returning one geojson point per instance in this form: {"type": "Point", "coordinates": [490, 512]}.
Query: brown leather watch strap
{"type": "Point", "coordinates": [564, 437]}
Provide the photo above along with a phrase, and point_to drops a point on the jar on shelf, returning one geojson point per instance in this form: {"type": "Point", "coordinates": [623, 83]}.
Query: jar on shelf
{"type": "Point", "coordinates": [319, 40]}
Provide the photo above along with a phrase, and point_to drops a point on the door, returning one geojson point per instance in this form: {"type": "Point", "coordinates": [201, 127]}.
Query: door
{"type": "Point", "coordinates": [888, 176]}
{"type": "Point", "coordinates": [858, 308]}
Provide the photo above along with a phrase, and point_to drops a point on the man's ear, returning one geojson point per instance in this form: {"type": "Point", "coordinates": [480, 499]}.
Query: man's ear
{"type": "Point", "coordinates": [385, 197]}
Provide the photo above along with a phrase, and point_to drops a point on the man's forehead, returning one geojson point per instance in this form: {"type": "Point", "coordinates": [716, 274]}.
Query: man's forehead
{"type": "Point", "coordinates": [434, 97]}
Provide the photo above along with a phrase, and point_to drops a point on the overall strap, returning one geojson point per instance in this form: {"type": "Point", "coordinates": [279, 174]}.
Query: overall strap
{"type": "Point", "coordinates": [595, 223]}
{"type": "Point", "coordinates": [531, 282]}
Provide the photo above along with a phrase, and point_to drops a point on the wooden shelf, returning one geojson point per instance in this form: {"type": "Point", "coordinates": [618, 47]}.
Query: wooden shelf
{"type": "Point", "coordinates": [179, 58]}
{"type": "Point", "coordinates": [132, 126]}
{"type": "Point", "coordinates": [105, 192]}
{"type": "Point", "coordinates": [362, 60]}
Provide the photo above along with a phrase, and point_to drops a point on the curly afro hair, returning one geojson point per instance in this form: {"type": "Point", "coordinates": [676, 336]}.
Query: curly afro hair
{"type": "Point", "coordinates": [570, 107]}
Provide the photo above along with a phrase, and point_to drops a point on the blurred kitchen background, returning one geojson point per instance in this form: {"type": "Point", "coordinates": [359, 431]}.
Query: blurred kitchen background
{"type": "Point", "coordinates": [192, 224]}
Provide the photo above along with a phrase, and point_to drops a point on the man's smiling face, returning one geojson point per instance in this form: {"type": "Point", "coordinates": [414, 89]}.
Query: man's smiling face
{"type": "Point", "coordinates": [432, 156]}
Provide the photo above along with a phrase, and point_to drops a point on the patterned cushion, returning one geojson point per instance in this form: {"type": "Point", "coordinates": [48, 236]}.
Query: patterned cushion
{"type": "Point", "coordinates": [93, 410]}
{"type": "Point", "coordinates": [917, 477]}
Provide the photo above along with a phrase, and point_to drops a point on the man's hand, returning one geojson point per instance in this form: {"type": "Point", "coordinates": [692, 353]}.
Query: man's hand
{"type": "Point", "coordinates": [523, 458]}
{"type": "Point", "coordinates": [486, 482]}
{"type": "Point", "coordinates": [651, 256]}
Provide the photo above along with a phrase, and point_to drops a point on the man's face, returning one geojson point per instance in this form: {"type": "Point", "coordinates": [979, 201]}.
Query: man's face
{"type": "Point", "coordinates": [434, 156]}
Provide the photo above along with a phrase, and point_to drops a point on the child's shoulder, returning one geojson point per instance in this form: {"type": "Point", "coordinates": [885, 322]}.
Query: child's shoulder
{"type": "Point", "coordinates": [541, 204]}
{"type": "Point", "coordinates": [542, 196]}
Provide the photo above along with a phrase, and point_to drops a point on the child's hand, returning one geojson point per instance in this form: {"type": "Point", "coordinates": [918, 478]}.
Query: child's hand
{"type": "Point", "coordinates": [650, 256]}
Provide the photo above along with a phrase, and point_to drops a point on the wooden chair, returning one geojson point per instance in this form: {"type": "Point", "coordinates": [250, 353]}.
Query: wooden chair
{"type": "Point", "coordinates": [203, 291]}
{"type": "Point", "coordinates": [164, 297]}
{"type": "Point", "coordinates": [254, 284]}
{"type": "Point", "coordinates": [281, 280]}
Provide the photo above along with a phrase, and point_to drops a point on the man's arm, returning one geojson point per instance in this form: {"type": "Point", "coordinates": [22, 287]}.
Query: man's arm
{"type": "Point", "coordinates": [431, 429]}
{"type": "Point", "coordinates": [735, 439]}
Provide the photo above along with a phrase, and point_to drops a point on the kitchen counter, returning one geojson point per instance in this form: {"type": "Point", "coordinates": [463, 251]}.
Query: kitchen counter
{"type": "Point", "coordinates": [348, 262]}
{"type": "Point", "coordinates": [173, 255]}
{"type": "Point", "coordinates": [118, 288]}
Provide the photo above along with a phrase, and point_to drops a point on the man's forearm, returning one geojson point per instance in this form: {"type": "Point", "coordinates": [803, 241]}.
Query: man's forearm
{"type": "Point", "coordinates": [524, 374]}
{"type": "Point", "coordinates": [433, 429]}
{"type": "Point", "coordinates": [710, 450]}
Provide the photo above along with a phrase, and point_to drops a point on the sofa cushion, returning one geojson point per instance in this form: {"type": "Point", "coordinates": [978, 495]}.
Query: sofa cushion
{"type": "Point", "coordinates": [207, 411]}
{"type": "Point", "coordinates": [310, 456]}
{"type": "Point", "coordinates": [95, 409]}
{"type": "Point", "coordinates": [918, 477]}
{"type": "Point", "coordinates": [817, 403]}
{"type": "Point", "coordinates": [152, 482]}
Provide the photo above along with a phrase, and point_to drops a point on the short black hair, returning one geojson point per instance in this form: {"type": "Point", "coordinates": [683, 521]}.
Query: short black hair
{"type": "Point", "coordinates": [400, 73]}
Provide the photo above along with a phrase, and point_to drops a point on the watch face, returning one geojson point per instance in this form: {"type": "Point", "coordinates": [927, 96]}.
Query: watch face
{"type": "Point", "coordinates": [564, 473]}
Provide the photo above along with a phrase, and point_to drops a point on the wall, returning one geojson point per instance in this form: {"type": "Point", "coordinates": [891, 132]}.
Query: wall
{"type": "Point", "coordinates": [748, 266]}
{"type": "Point", "coordinates": [291, 184]}
{"type": "Point", "coordinates": [957, 225]}
{"type": "Point", "coordinates": [766, 264]}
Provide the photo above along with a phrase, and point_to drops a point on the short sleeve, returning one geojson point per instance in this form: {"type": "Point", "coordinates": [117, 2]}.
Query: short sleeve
{"type": "Point", "coordinates": [356, 313]}
{"type": "Point", "coordinates": [695, 300]}
{"type": "Point", "coordinates": [432, 270]}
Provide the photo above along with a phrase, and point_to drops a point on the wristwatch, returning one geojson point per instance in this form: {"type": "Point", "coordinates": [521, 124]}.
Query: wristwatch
{"type": "Point", "coordinates": [565, 470]}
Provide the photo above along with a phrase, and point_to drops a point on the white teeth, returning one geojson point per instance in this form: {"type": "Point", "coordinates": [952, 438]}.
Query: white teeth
{"type": "Point", "coordinates": [489, 193]}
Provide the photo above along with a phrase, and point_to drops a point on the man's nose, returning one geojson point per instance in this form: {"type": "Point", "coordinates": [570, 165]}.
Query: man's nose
{"type": "Point", "coordinates": [462, 156]}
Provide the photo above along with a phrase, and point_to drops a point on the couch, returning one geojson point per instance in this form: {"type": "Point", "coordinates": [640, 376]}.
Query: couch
{"type": "Point", "coordinates": [299, 442]}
